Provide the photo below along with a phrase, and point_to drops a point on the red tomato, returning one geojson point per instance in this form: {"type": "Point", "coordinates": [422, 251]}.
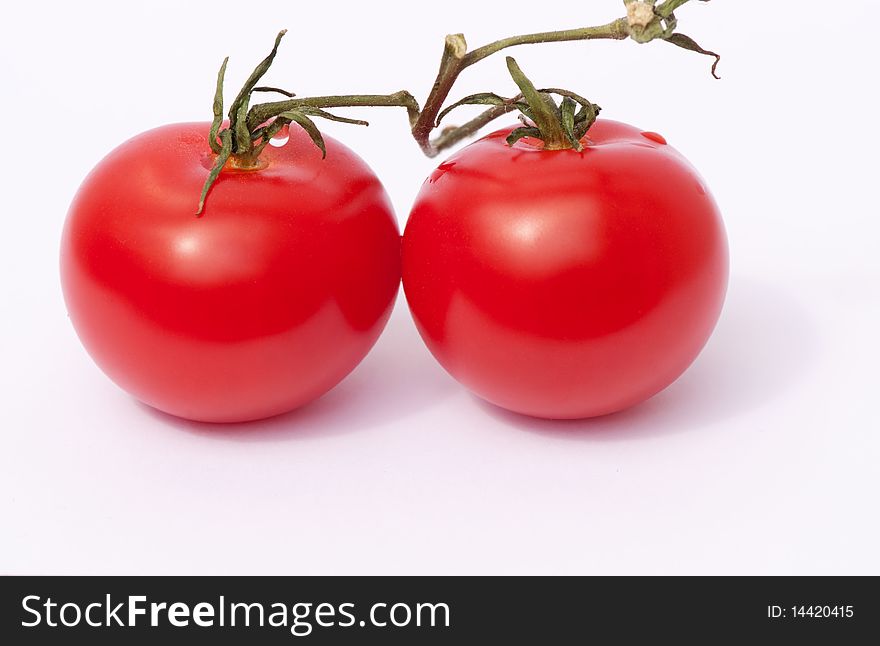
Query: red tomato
{"type": "Point", "coordinates": [561, 284]}
{"type": "Point", "coordinates": [261, 305]}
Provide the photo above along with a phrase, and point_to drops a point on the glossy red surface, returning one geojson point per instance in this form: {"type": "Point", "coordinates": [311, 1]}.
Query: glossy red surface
{"type": "Point", "coordinates": [561, 284]}
{"type": "Point", "coordinates": [261, 305]}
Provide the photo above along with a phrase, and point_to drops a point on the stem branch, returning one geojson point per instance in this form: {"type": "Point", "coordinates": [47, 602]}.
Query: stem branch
{"type": "Point", "coordinates": [456, 59]}
{"type": "Point", "coordinates": [262, 112]}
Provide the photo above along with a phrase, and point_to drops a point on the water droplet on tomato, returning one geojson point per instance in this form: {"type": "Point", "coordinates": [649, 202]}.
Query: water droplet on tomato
{"type": "Point", "coordinates": [281, 138]}
{"type": "Point", "coordinates": [656, 137]}
{"type": "Point", "coordinates": [207, 161]}
{"type": "Point", "coordinates": [440, 171]}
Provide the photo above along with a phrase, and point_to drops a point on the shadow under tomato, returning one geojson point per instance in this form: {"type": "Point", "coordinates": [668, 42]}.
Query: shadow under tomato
{"type": "Point", "coordinates": [763, 344]}
{"type": "Point", "coordinates": [397, 379]}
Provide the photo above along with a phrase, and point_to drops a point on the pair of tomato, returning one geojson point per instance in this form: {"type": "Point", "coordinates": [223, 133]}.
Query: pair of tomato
{"type": "Point", "coordinates": [559, 284]}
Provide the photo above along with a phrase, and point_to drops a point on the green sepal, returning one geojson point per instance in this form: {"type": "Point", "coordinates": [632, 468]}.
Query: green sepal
{"type": "Point", "coordinates": [482, 98]}
{"type": "Point", "coordinates": [276, 90]}
{"type": "Point", "coordinates": [309, 126]}
{"type": "Point", "coordinates": [585, 119]}
{"type": "Point", "coordinates": [238, 109]}
{"type": "Point", "coordinates": [318, 112]}
{"type": "Point", "coordinates": [568, 124]}
{"type": "Point", "coordinates": [219, 163]}
{"type": "Point", "coordinates": [218, 109]}
{"type": "Point", "coordinates": [585, 116]}
{"type": "Point", "coordinates": [266, 133]}
{"type": "Point", "coordinates": [241, 143]}
{"type": "Point", "coordinates": [543, 110]}
{"type": "Point", "coordinates": [523, 131]}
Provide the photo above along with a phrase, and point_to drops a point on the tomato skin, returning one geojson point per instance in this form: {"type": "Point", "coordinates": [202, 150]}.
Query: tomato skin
{"type": "Point", "coordinates": [258, 307]}
{"type": "Point", "coordinates": [566, 285]}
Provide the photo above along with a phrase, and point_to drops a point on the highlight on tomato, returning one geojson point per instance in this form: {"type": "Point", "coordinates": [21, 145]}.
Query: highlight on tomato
{"type": "Point", "coordinates": [567, 268]}
{"type": "Point", "coordinates": [262, 303]}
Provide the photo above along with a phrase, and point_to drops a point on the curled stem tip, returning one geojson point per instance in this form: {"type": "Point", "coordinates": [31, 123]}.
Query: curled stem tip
{"type": "Point", "coordinates": [686, 42]}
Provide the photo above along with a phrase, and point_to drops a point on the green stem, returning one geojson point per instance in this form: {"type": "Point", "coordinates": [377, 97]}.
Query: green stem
{"type": "Point", "coordinates": [261, 113]}
{"type": "Point", "coordinates": [451, 136]}
{"type": "Point", "coordinates": [615, 30]}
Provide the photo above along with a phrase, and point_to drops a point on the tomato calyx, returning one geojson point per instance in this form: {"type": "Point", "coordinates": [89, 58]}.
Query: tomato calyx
{"type": "Point", "coordinates": [249, 128]}
{"type": "Point", "coordinates": [561, 126]}
{"type": "Point", "coordinates": [557, 125]}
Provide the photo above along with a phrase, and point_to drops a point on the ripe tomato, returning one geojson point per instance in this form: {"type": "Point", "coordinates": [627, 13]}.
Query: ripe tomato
{"type": "Point", "coordinates": [565, 284]}
{"type": "Point", "coordinates": [261, 305]}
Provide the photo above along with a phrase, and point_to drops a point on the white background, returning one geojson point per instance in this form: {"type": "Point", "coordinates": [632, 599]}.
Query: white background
{"type": "Point", "coordinates": [761, 459]}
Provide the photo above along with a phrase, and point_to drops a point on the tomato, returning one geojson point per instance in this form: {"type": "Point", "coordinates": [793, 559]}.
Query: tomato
{"type": "Point", "coordinates": [261, 305]}
{"type": "Point", "coordinates": [565, 284]}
